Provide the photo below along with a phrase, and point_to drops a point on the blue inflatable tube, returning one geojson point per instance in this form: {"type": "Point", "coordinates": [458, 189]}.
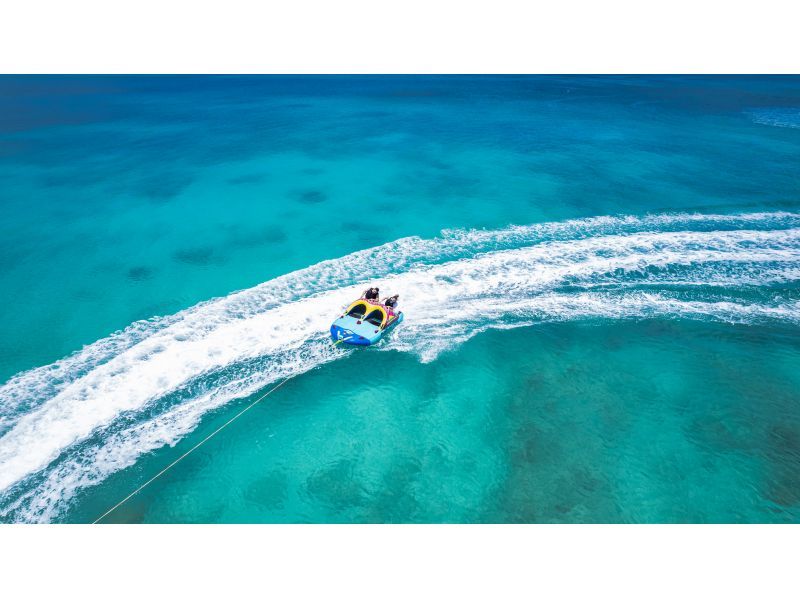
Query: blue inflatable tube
{"type": "Point", "coordinates": [364, 322]}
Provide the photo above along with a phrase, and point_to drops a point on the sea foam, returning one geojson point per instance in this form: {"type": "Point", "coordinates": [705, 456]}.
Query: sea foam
{"type": "Point", "coordinates": [71, 424]}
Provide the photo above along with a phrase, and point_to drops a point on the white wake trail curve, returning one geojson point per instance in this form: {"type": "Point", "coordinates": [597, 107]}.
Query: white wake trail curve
{"type": "Point", "coordinates": [28, 389]}
{"type": "Point", "coordinates": [444, 303]}
{"type": "Point", "coordinates": [31, 388]}
{"type": "Point", "coordinates": [123, 449]}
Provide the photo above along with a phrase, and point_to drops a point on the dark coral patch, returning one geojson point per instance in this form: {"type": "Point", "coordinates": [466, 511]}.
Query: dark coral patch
{"type": "Point", "coordinates": [336, 485]}
{"type": "Point", "coordinates": [163, 187]}
{"type": "Point", "coordinates": [312, 197]}
{"type": "Point", "coordinates": [139, 273]}
{"type": "Point", "coordinates": [783, 478]}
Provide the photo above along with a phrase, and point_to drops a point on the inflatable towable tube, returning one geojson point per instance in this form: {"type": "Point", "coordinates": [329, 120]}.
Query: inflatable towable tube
{"type": "Point", "coordinates": [364, 322]}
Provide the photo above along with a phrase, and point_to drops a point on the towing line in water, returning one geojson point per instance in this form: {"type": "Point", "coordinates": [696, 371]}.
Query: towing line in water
{"type": "Point", "coordinates": [674, 265]}
{"type": "Point", "coordinates": [366, 320]}
{"type": "Point", "coordinates": [191, 450]}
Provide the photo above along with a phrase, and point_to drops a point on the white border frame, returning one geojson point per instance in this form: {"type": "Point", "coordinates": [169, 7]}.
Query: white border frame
{"type": "Point", "coordinates": [413, 36]}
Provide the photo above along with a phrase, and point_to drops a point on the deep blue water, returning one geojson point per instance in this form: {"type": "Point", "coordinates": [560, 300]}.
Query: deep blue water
{"type": "Point", "coordinates": [599, 276]}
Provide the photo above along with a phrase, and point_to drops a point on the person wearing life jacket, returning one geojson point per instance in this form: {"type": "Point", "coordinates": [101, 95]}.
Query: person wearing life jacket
{"type": "Point", "coordinates": [391, 302]}
{"type": "Point", "coordinates": [372, 294]}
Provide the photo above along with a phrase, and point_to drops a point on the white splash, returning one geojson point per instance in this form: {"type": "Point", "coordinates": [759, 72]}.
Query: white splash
{"type": "Point", "coordinates": [71, 424]}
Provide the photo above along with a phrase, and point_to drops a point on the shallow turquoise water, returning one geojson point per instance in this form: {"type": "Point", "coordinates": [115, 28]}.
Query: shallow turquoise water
{"type": "Point", "coordinates": [646, 370]}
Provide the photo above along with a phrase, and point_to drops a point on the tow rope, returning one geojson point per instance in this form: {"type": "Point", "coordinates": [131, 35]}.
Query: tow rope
{"type": "Point", "coordinates": [191, 450]}
{"type": "Point", "coordinates": [194, 448]}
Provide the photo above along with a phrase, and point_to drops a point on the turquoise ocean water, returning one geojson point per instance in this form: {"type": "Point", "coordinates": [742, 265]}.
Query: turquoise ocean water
{"type": "Point", "coordinates": [600, 278]}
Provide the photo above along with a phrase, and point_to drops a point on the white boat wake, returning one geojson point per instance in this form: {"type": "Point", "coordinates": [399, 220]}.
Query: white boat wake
{"type": "Point", "coordinates": [70, 425]}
